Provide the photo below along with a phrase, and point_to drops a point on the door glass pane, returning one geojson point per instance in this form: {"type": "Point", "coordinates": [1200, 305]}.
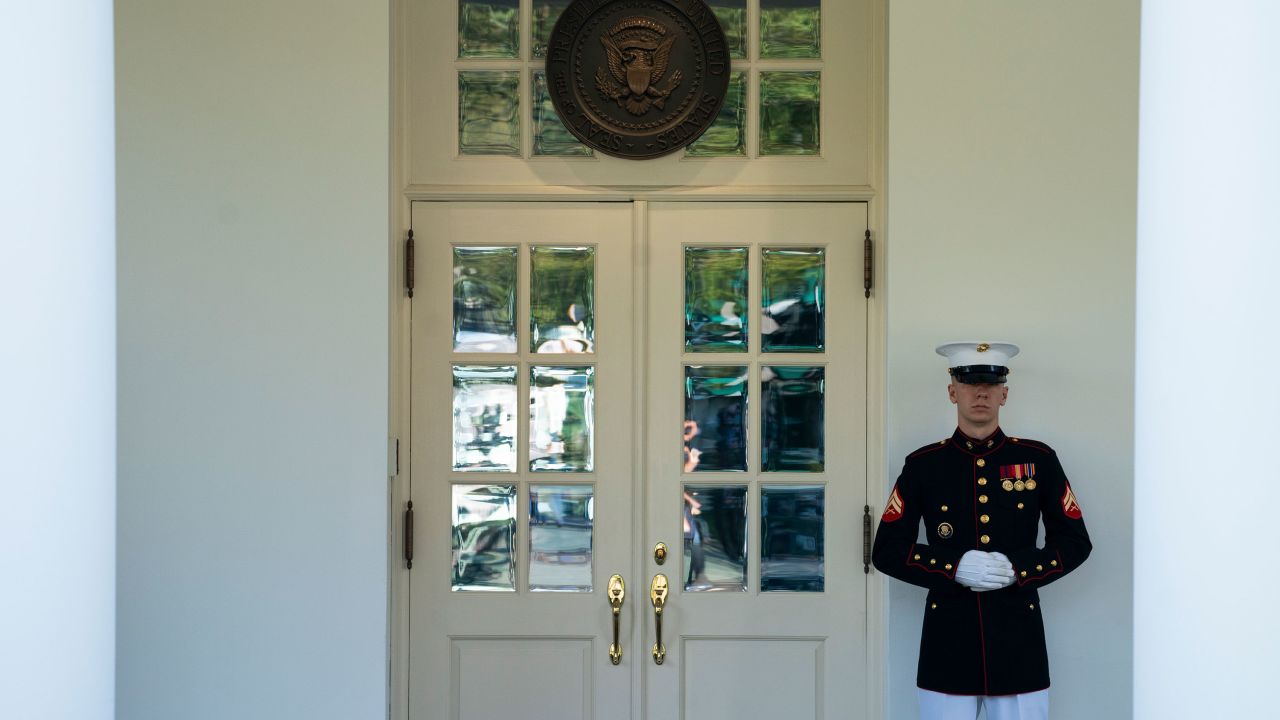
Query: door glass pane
{"type": "Point", "coordinates": [715, 538]}
{"type": "Point", "coordinates": [562, 290]}
{"type": "Point", "coordinates": [484, 534]}
{"type": "Point", "coordinates": [550, 137]}
{"type": "Point", "coordinates": [560, 519]}
{"type": "Point", "coordinates": [561, 418]}
{"type": "Point", "coordinates": [790, 113]}
{"type": "Point", "coordinates": [488, 28]}
{"type": "Point", "coordinates": [715, 425]}
{"type": "Point", "coordinates": [484, 299]}
{"type": "Point", "coordinates": [715, 299]}
{"type": "Point", "coordinates": [545, 15]}
{"type": "Point", "coordinates": [793, 300]}
{"type": "Point", "coordinates": [484, 418]}
{"type": "Point", "coordinates": [727, 137]}
{"type": "Point", "coordinates": [791, 538]}
{"type": "Point", "coordinates": [790, 28]}
{"type": "Point", "coordinates": [732, 15]}
{"type": "Point", "coordinates": [489, 113]}
{"type": "Point", "coordinates": [792, 418]}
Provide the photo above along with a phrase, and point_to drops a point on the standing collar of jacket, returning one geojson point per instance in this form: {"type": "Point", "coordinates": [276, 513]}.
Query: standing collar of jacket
{"type": "Point", "coordinates": [973, 446]}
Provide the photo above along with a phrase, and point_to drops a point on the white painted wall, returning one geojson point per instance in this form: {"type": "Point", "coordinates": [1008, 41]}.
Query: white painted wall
{"type": "Point", "coordinates": [57, 361]}
{"type": "Point", "coordinates": [1012, 184]}
{"type": "Point", "coordinates": [253, 284]}
{"type": "Point", "coordinates": [1205, 634]}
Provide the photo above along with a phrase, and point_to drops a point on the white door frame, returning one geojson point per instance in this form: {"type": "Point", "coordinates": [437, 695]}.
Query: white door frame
{"type": "Point", "coordinates": [399, 312]}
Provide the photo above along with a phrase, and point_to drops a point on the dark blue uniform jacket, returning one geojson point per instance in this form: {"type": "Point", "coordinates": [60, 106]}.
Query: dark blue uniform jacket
{"type": "Point", "coordinates": [987, 495]}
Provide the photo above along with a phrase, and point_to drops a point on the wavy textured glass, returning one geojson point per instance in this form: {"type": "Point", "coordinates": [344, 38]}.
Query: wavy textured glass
{"type": "Point", "coordinates": [715, 538]}
{"type": "Point", "coordinates": [562, 291]}
{"type": "Point", "coordinates": [484, 299]}
{"type": "Point", "coordinates": [792, 418]}
{"type": "Point", "coordinates": [715, 299]}
{"type": "Point", "coordinates": [545, 15]}
{"type": "Point", "coordinates": [790, 113]}
{"type": "Point", "coordinates": [793, 300]}
{"type": "Point", "coordinates": [488, 28]}
{"type": "Point", "coordinates": [792, 528]}
{"type": "Point", "coordinates": [489, 113]}
{"type": "Point", "coordinates": [791, 28]}
{"type": "Point", "coordinates": [550, 137]}
{"type": "Point", "coordinates": [562, 418]}
{"type": "Point", "coordinates": [727, 136]}
{"type": "Point", "coordinates": [560, 525]}
{"type": "Point", "coordinates": [715, 425]}
{"type": "Point", "coordinates": [484, 418]}
{"type": "Point", "coordinates": [732, 15]}
{"type": "Point", "coordinates": [484, 538]}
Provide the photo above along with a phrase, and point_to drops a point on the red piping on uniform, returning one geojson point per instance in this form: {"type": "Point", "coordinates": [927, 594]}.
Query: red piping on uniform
{"type": "Point", "coordinates": [912, 562]}
{"type": "Point", "coordinates": [926, 450]}
{"type": "Point", "coordinates": [1051, 571]}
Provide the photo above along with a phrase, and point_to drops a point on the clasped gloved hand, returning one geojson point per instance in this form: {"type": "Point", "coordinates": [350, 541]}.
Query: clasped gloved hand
{"type": "Point", "coordinates": [984, 571]}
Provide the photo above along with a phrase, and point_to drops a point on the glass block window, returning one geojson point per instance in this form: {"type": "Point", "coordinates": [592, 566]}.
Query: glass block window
{"type": "Point", "coordinates": [773, 107]}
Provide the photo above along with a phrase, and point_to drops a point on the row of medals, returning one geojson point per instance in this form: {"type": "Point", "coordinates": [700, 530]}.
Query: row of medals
{"type": "Point", "coordinates": [1018, 485]}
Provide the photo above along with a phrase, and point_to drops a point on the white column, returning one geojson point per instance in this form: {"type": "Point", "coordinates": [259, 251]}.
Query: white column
{"type": "Point", "coordinates": [1206, 615]}
{"type": "Point", "coordinates": [57, 360]}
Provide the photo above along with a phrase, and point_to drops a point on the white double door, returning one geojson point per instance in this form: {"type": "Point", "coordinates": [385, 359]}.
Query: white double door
{"type": "Point", "coordinates": [591, 380]}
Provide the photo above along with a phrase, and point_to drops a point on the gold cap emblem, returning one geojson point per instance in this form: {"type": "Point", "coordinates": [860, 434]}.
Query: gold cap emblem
{"type": "Point", "coordinates": [983, 347]}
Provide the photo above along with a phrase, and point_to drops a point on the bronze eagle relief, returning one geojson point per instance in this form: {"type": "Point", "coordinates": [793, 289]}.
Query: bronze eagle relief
{"type": "Point", "coordinates": [638, 78]}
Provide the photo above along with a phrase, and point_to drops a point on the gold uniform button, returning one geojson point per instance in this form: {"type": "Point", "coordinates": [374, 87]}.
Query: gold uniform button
{"type": "Point", "coordinates": [944, 508]}
{"type": "Point", "coordinates": [917, 557]}
{"type": "Point", "coordinates": [982, 499]}
{"type": "Point", "coordinates": [1014, 439]}
{"type": "Point", "coordinates": [933, 606]}
{"type": "Point", "coordinates": [1053, 563]}
{"type": "Point", "coordinates": [942, 442]}
{"type": "Point", "coordinates": [986, 539]}
{"type": "Point", "coordinates": [933, 561]}
{"type": "Point", "coordinates": [947, 566]}
{"type": "Point", "coordinates": [1023, 573]}
{"type": "Point", "coordinates": [985, 519]}
{"type": "Point", "coordinates": [1020, 506]}
{"type": "Point", "coordinates": [1032, 606]}
{"type": "Point", "coordinates": [982, 462]}
{"type": "Point", "coordinates": [1039, 568]}
{"type": "Point", "coordinates": [982, 481]}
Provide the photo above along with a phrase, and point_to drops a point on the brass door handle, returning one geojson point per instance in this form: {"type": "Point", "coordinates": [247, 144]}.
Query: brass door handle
{"type": "Point", "coordinates": [617, 593]}
{"type": "Point", "coordinates": [658, 596]}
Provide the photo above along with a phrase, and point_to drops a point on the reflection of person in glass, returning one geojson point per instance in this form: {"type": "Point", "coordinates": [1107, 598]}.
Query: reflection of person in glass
{"type": "Point", "coordinates": [697, 577]}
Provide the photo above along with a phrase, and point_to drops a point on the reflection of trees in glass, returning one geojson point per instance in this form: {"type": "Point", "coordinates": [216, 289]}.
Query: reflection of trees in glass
{"type": "Point", "coordinates": [484, 299]}
{"type": "Point", "coordinates": [489, 113]}
{"type": "Point", "coordinates": [484, 426]}
{"type": "Point", "coordinates": [792, 304]}
{"type": "Point", "coordinates": [732, 15]}
{"type": "Point", "coordinates": [790, 29]}
{"type": "Point", "coordinates": [792, 545]}
{"type": "Point", "coordinates": [727, 136]}
{"type": "Point", "coordinates": [715, 298]}
{"type": "Point", "coordinates": [790, 113]}
{"type": "Point", "coordinates": [715, 427]}
{"type": "Point", "coordinates": [488, 28]}
{"type": "Point", "coordinates": [792, 422]}
{"type": "Point", "coordinates": [545, 15]}
{"type": "Point", "coordinates": [562, 299]}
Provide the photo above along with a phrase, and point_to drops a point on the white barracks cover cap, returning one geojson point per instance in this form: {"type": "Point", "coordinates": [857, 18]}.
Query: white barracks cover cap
{"type": "Point", "coordinates": [975, 361]}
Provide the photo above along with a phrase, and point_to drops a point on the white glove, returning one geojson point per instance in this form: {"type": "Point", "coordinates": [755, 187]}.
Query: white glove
{"type": "Point", "coordinates": [984, 571]}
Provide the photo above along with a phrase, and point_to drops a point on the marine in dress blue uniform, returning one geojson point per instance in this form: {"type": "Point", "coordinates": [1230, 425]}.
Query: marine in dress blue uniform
{"type": "Point", "coordinates": [981, 495]}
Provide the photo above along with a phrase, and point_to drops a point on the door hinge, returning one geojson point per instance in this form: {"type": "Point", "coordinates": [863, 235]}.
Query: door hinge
{"type": "Point", "coordinates": [866, 539]}
{"type": "Point", "coordinates": [408, 263]}
{"type": "Point", "coordinates": [408, 536]}
{"type": "Point", "coordinates": [867, 265]}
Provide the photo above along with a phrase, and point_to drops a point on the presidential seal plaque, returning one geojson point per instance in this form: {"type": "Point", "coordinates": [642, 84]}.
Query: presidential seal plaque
{"type": "Point", "coordinates": [637, 79]}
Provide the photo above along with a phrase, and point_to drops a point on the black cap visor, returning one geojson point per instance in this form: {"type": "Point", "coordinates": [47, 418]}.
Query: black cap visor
{"type": "Point", "coordinates": [980, 374]}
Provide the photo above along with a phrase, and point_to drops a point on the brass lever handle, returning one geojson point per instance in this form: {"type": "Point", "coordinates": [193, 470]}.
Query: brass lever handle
{"type": "Point", "coordinates": [617, 593]}
{"type": "Point", "coordinates": [658, 596]}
